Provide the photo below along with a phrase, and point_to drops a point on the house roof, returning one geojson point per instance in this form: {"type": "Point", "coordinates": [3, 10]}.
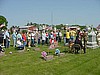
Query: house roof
{"type": "Point", "coordinates": [98, 26]}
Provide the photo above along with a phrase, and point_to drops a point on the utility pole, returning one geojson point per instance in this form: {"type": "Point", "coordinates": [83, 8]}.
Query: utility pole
{"type": "Point", "coordinates": [52, 18]}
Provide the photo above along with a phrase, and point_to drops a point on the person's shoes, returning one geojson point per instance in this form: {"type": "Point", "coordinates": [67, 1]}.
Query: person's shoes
{"type": "Point", "coordinates": [3, 50]}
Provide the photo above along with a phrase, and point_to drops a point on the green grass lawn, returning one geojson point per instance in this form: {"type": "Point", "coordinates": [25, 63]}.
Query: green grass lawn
{"type": "Point", "coordinates": [30, 63]}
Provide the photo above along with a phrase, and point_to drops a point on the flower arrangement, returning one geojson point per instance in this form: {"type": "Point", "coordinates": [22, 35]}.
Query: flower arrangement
{"type": "Point", "coordinates": [43, 54]}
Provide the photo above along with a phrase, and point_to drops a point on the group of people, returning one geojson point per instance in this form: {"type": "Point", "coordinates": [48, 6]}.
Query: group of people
{"type": "Point", "coordinates": [79, 38]}
{"type": "Point", "coordinates": [35, 38]}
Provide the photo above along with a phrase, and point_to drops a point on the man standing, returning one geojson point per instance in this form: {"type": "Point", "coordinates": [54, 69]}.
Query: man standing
{"type": "Point", "coordinates": [14, 37]}
{"type": "Point", "coordinates": [85, 40]}
{"type": "Point", "coordinates": [7, 38]}
{"type": "Point", "coordinates": [43, 37]}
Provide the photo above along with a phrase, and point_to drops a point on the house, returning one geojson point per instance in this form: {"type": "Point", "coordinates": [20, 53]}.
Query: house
{"type": "Point", "coordinates": [73, 27]}
{"type": "Point", "coordinates": [28, 28]}
{"type": "Point", "coordinates": [98, 27]}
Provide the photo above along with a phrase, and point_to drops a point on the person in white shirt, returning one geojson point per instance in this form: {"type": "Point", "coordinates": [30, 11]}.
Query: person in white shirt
{"type": "Point", "coordinates": [60, 36]}
{"type": "Point", "coordinates": [19, 45]}
{"type": "Point", "coordinates": [7, 38]}
{"type": "Point", "coordinates": [43, 37]}
{"type": "Point", "coordinates": [32, 38]}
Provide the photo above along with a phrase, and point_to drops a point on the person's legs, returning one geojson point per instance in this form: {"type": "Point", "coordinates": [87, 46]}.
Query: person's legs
{"type": "Point", "coordinates": [64, 40]}
{"type": "Point", "coordinates": [38, 41]}
{"type": "Point", "coordinates": [6, 43]}
{"type": "Point", "coordinates": [21, 47]}
{"type": "Point", "coordinates": [13, 42]}
{"type": "Point", "coordinates": [32, 43]}
{"type": "Point", "coordinates": [46, 40]}
{"type": "Point", "coordinates": [29, 41]}
{"type": "Point", "coordinates": [24, 44]}
{"type": "Point", "coordinates": [84, 46]}
{"type": "Point", "coordinates": [42, 42]}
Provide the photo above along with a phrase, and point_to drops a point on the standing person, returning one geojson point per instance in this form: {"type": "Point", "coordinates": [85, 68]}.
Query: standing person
{"type": "Point", "coordinates": [78, 33]}
{"type": "Point", "coordinates": [78, 41]}
{"type": "Point", "coordinates": [72, 35]}
{"type": "Point", "coordinates": [39, 38]}
{"type": "Point", "coordinates": [36, 38]}
{"type": "Point", "coordinates": [7, 38]}
{"type": "Point", "coordinates": [32, 39]}
{"type": "Point", "coordinates": [4, 39]}
{"type": "Point", "coordinates": [24, 39]}
{"type": "Point", "coordinates": [67, 36]}
{"type": "Point", "coordinates": [29, 39]}
{"type": "Point", "coordinates": [14, 37]}
{"type": "Point", "coordinates": [64, 38]}
{"type": "Point", "coordinates": [57, 34]}
{"type": "Point", "coordinates": [60, 36]}
{"type": "Point", "coordinates": [47, 37]}
{"type": "Point", "coordinates": [19, 36]}
{"type": "Point", "coordinates": [43, 37]}
{"type": "Point", "coordinates": [85, 40]}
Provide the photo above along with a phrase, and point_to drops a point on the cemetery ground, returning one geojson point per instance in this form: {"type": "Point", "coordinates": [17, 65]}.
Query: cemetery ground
{"type": "Point", "coordinates": [31, 63]}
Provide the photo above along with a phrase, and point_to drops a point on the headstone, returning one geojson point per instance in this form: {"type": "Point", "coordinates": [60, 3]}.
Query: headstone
{"type": "Point", "coordinates": [92, 43]}
{"type": "Point", "coordinates": [36, 49]}
{"type": "Point", "coordinates": [21, 51]}
{"type": "Point", "coordinates": [98, 38]}
{"type": "Point", "coordinates": [52, 46]}
{"type": "Point", "coordinates": [2, 54]}
{"type": "Point", "coordinates": [49, 57]}
{"type": "Point", "coordinates": [62, 54]}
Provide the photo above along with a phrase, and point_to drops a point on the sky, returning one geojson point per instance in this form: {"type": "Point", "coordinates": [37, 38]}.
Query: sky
{"type": "Point", "coordinates": [20, 12]}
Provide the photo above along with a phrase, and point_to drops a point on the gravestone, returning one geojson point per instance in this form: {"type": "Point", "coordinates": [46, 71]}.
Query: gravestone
{"type": "Point", "coordinates": [20, 51]}
{"type": "Point", "coordinates": [98, 38]}
{"type": "Point", "coordinates": [36, 49]}
{"type": "Point", "coordinates": [49, 57]}
{"type": "Point", "coordinates": [62, 54]}
{"type": "Point", "coordinates": [2, 54]}
{"type": "Point", "coordinates": [92, 43]}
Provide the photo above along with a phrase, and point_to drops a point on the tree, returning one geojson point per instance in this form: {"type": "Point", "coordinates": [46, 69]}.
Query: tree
{"type": "Point", "coordinates": [24, 31]}
{"type": "Point", "coordinates": [59, 26]}
{"type": "Point", "coordinates": [2, 21]}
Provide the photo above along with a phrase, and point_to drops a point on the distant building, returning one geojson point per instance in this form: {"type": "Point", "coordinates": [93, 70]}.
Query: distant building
{"type": "Point", "coordinates": [73, 27]}
{"type": "Point", "coordinates": [48, 28]}
{"type": "Point", "coordinates": [28, 28]}
{"type": "Point", "coordinates": [98, 27]}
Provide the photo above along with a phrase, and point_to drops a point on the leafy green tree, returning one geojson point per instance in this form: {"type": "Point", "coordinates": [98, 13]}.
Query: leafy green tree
{"type": "Point", "coordinates": [2, 21]}
{"type": "Point", "coordinates": [24, 31]}
{"type": "Point", "coordinates": [59, 26]}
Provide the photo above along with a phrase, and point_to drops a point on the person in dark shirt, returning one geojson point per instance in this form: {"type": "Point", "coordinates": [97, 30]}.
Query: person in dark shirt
{"type": "Point", "coordinates": [85, 40]}
{"type": "Point", "coordinates": [78, 42]}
